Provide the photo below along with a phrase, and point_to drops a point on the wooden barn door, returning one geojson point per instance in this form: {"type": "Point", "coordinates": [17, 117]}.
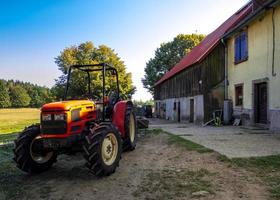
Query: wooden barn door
{"type": "Point", "coordinates": [261, 103]}
{"type": "Point", "coordinates": [179, 111]}
{"type": "Point", "coordinates": [191, 110]}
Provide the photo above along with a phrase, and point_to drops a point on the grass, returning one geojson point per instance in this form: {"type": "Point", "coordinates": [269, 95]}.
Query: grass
{"type": "Point", "coordinates": [267, 168]}
{"type": "Point", "coordinates": [171, 183]}
{"type": "Point", "coordinates": [267, 163]}
{"type": "Point", "coordinates": [11, 184]}
{"type": "Point", "coordinates": [5, 153]}
{"type": "Point", "coordinates": [15, 120]}
{"type": "Point", "coordinates": [5, 138]}
{"type": "Point", "coordinates": [187, 144]}
{"type": "Point", "coordinates": [181, 142]}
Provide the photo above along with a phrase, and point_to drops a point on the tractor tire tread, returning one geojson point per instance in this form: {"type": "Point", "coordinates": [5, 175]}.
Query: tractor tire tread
{"type": "Point", "coordinates": [22, 152]}
{"type": "Point", "coordinates": [127, 145]}
{"type": "Point", "coordinates": [92, 147]}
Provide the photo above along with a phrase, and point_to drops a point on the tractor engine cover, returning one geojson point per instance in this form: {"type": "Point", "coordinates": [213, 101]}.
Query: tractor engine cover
{"type": "Point", "coordinates": [66, 118]}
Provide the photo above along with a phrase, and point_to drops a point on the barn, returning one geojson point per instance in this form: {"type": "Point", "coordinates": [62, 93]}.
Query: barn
{"type": "Point", "coordinates": [194, 88]}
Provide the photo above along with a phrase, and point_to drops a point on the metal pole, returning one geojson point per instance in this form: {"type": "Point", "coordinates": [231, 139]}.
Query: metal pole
{"type": "Point", "coordinates": [118, 87]}
{"type": "Point", "coordinates": [103, 86]}
{"type": "Point", "coordinates": [227, 111]}
{"type": "Point", "coordinates": [68, 82]}
{"type": "Point", "coordinates": [89, 91]}
{"type": "Point", "coordinates": [226, 69]}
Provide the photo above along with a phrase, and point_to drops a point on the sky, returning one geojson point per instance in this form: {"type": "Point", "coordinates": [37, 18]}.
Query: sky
{"type": "Point", "coordinates": [34, 32]}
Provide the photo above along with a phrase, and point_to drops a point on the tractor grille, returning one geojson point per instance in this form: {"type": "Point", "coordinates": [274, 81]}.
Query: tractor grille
{"type": "Point", "coordinates": [54, 127]}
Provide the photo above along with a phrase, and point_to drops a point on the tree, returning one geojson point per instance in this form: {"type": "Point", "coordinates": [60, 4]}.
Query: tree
{"type": "Point", "coordinates": [87, 53]}
{"type": "Point", "coordinates": [167, 56]}
{"type": "Point", "coordinates": [4, 95]}
{"type": "Point", "coordinates": [19, 96]}
{"type": "Point", "coordinates": [142, 103]}
{"type": "Point", "coordinates": [40, 95]}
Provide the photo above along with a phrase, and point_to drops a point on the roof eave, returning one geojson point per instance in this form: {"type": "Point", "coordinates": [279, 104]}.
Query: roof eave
{"type": "Point", "coordinates": [161, 82]}
{"type": "Point", "coordinates": [250, 18]}
{"type": "Point", "coordinates": [202, 57]}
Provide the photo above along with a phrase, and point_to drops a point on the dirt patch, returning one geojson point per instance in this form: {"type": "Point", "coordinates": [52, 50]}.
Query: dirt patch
{"type": "Point", "coordinates": [157, 169]}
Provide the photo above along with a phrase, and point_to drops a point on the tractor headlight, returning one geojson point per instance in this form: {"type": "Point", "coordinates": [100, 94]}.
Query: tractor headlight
{"type": "Point", "coordinates": [46, 117]}
{"type": "Point", "coordinates": [59, 117]}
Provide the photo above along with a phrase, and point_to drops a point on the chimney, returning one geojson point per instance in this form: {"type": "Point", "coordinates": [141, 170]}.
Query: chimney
{"type": "Point", "coordinates": [258, 4]}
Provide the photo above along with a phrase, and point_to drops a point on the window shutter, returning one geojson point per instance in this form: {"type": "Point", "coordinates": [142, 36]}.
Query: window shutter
{"type": "Point", "coordinates": [236, 49]}
{"type": "Point", "coordinates": [242, 46]}
{"type": "Point", "coordinates": [246, 43]}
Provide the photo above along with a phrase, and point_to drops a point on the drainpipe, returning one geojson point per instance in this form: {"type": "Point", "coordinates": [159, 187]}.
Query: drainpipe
{"type": "Point", "coordinates": [227, 111]}
{"type": "Point", "coordinates": [226, 70]}
{"type": "Point", "coordinates": [273, 41]}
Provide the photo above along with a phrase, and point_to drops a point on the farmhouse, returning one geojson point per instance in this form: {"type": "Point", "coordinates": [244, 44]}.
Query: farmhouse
{"type": "Point", "coordinates": [253, 63]}
{"type": "Point", "coordinates": [194, 88]}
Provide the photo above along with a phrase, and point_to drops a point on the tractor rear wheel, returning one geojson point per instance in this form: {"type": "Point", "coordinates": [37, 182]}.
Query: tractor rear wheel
{"type": "Point", "coordinates": [103, 150]}
{"type": "Point", "coordinates": [131, 130]}
{"type": "Point", "coordinates": [27, 156]}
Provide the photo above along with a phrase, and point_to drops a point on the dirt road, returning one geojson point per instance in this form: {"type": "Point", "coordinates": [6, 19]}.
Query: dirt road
{"type": "Point", "coordinates": [155, 170]}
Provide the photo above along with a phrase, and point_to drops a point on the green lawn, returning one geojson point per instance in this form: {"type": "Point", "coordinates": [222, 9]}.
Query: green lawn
{"type": "Point", "coordinates": [267, 168]}
{"type": "Point", "coordinates": [179, 141]}
{"type": "Point", "coordinates": [13, 121]}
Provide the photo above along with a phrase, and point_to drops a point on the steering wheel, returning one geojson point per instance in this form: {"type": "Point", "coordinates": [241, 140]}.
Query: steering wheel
{"type": "Point", "coordinates": [113, 99]}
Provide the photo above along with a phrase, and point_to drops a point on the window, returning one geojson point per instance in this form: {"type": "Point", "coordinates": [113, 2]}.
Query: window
{"type": "Point", "coordinates": [241, 47]}
{"type": "Point", "coordinates": [239, 95]}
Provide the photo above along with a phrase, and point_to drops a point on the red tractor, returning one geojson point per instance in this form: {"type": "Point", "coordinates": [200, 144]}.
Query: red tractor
{"type": "Point", "coordinates": [102, 129]}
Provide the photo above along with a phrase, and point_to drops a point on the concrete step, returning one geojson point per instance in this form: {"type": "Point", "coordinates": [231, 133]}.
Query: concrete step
{"type": "Point", "coordinates": [255, 128]}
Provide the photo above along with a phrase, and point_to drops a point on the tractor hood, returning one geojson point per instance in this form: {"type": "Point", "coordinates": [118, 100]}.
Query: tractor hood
{"type": "Point", "coordinates": [66, 105]}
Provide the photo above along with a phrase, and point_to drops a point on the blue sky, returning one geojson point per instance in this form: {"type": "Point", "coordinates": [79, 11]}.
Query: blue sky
{"type": "Point", "coordinates": [33, 32]}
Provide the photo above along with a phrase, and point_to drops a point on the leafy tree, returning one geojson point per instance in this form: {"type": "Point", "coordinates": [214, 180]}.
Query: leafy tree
{"type": "Point", "coordinates": [40, 95]}
{"type": "Point", "coordinates": [87, 53]}
{"type": "Point", "coordinates": [19, 96]}
{"type": "Point", "coordinates": [167, 56]}
{"type": "Point", "coordinates": [4, 95]}
{"type": "Point", "coordinates": [141, 103]}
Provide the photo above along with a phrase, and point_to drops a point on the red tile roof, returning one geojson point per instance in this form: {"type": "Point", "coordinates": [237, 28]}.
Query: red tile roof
{"type": "Point", "coordinates": [205, 47]}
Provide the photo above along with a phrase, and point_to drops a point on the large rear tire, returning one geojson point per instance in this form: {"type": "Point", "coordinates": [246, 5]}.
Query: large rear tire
{"type": "Point", "coordinates": [131, 130]}
{"type": "Point", "coordinates": [103, 150]}
{"type": "Point", "coordinates": [26, 157]}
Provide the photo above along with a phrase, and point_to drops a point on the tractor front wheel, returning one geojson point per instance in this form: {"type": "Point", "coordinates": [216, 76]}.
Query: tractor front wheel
{"type": "Point", "coordinates": [28, 156]}
{"type": "Point", "coordinates": [103, 150]}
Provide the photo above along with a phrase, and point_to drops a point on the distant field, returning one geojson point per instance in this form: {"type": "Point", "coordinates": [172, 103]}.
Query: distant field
{"type": "Point", "coordinates": [14, 120]}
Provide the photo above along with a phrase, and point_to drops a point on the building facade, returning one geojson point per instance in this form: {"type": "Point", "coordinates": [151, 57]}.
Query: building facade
{"type": "Point", "coordinates": [195, 92]}
{"type": "Point", "coordinates": [194, 88]}
{"type": "Point", "coordinates": [253, 63]}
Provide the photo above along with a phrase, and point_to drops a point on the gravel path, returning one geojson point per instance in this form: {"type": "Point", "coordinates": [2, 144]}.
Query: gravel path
{"type": "Point", "coordinates": [234, 142]}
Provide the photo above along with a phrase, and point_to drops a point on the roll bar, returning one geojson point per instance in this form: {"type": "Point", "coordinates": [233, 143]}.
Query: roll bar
{"type": "Point", "coordinates": [93, 68]}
